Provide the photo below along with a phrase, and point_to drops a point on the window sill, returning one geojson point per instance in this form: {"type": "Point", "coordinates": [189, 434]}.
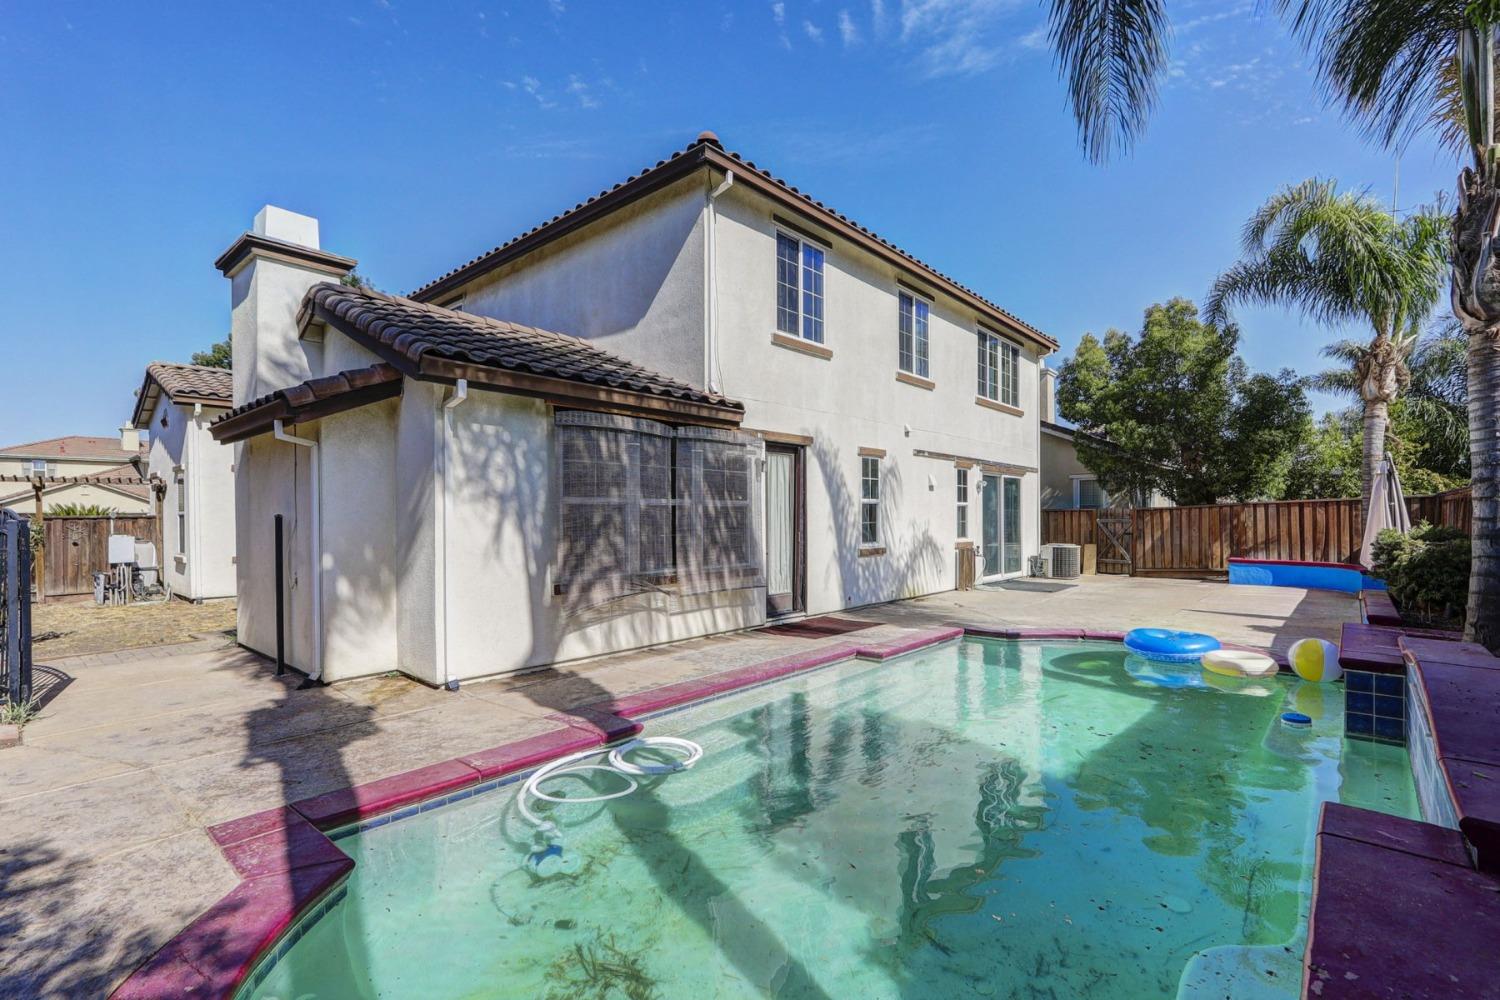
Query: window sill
{"type": "Point", "coordinates": [991, 404]}
{"type": "Point", "coordinates": [916, 380]}
{"type": "Point", "coordinates": [801, 346]}
{"type": "Point", "coordinates": [871, 550]}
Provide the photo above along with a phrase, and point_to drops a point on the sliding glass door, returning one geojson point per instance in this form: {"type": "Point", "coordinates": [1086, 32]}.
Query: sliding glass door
{"type": "Point", "coordinates": [1000, 517]}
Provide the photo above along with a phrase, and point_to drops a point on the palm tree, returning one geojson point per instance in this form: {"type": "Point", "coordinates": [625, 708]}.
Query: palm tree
{"type": "Point", "coordinates": [1396, 66]}
{"type": "Point", "coordinates": [1340, 257]}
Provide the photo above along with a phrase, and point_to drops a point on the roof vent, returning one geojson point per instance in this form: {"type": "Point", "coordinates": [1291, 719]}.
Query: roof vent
{"type": "Point", "coordinates": [710, 138]}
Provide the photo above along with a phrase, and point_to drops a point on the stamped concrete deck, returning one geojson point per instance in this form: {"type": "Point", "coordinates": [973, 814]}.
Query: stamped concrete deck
{"type": "Point", "coordinates": [105, 856]}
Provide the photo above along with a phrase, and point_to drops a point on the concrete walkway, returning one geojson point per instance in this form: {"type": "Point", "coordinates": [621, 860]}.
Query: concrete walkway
{"type": "Point", "coordinates": [103, 854]}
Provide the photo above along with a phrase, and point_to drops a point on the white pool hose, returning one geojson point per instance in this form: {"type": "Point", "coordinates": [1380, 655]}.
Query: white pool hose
{"type": "Point", "coordinates": [617, 764]}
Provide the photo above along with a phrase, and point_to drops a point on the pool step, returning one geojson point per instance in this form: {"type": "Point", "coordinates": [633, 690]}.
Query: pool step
{"type": "Point", "coordinates": [1398, 911]}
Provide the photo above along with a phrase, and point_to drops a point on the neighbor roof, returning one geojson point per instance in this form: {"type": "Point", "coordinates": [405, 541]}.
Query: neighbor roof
{"type": "Point", "coordinates": [74, 446]}
{"type": "Point", "coordinates": [434, 344]}
{"type": "Point", "coordinates": [706, 152]}
{"type": "Point", "coordinates": [181, 384]}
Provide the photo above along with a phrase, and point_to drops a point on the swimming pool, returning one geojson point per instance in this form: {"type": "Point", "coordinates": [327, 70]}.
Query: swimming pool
{"type": "Point", "coordinates": [986, 818]}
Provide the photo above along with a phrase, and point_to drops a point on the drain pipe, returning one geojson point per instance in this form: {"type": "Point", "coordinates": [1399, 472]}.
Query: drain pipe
{"type": "Point", "coordinates": [711, 320]}
{"type": "Point", "coordinates": [460, 393]}
{"type": "Point", "coordinates": [316, 673]}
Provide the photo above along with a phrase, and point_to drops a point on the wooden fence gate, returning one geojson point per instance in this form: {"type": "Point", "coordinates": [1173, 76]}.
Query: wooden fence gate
{"type": "Point", "coordinates": [1115, 530]}
{"type": "Point", "coordinates": [78, 547]}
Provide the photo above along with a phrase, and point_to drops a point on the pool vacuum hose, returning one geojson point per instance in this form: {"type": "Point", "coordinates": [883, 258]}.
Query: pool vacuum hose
{"type": "Point", "coordinates": [616, 763]}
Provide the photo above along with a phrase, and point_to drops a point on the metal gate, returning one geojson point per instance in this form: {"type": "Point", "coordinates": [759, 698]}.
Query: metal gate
{"type": "Point", "coordinates": [15, 608]}
{"type": "Point", "coordinates": [1114, 528]}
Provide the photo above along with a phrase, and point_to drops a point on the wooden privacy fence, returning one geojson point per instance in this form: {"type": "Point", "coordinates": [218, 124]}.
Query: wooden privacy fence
{"type": "Point", "coordinates": [1199, 540]}
{"type": "Point", "coordinates": [78, 547]}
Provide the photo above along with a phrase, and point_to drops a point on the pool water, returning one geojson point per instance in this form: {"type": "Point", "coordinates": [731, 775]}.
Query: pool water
{"type": "Point", "coordinates": [981, 819]}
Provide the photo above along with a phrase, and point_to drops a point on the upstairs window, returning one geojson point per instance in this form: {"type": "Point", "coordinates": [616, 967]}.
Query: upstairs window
{"type": "Point", "coordinates": [869, 501]}
{"type": "Point", "coordinates": [1087, 494]}
{"type": "Point", "coordinates": [999, 369]}
{"type": "Point", "coordinates": [962, 497]}
{"type": "Point", "coordinates": [911, 334]}
{"type": "Point", "coordinates": [799, 288]}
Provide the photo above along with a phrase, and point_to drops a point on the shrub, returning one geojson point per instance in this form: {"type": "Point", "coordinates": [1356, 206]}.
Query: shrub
{"type": "Point", "coordinates": [1427, 571]}
{"type": "Point", "coordinates": [80, 510]}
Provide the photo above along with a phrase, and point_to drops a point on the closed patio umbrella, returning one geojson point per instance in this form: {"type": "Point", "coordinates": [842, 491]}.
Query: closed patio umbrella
{"type": "Point", "coordinates": [1387, 508]}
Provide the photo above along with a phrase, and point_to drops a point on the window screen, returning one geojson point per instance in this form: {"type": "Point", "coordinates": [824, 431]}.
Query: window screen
{"type": "Point", "coordinates": [644, 506]}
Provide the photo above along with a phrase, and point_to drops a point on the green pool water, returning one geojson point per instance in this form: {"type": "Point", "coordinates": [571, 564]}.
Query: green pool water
{"type": "Point", "coordinates": [983, 819]}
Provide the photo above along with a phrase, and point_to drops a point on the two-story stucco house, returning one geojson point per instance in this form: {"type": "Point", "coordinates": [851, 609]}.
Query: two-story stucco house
{"type": "Point", "coordinates": [176, 403]}
{"type": "Point", "coordinates": [692, 403]}
{"type": "Point", "coordinates": [60, 463]}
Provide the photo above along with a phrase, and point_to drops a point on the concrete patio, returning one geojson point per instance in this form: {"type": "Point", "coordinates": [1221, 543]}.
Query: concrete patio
{"type": "Point", "coordinates": [105, 856]}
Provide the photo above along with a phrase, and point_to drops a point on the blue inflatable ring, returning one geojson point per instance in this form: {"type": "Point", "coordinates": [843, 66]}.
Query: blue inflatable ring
{"type": "Point", "coordinates": [1169, 645]}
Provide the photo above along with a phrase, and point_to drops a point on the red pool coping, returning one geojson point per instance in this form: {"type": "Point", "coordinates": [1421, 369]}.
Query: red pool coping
{"type": "Point", "coordinates": [288, 864]}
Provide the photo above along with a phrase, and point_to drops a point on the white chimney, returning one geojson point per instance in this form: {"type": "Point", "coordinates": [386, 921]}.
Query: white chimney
{"type": "Point", "coordinates": [130, 439]}
{"type": "Point", "coordinates": [1049, 395]}
{"type": "Point", "coordinates": [270, 269]}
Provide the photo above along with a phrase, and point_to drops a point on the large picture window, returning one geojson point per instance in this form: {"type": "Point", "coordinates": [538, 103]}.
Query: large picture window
{"type": "Point", "coordinates": [911, 334]}
{"type": "Point", "coordinates": [799, 288]}
{"type": "Point", "coordinates": [644, 506]}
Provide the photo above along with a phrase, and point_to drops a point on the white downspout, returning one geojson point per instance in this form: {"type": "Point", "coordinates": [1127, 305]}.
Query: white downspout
{"type": "Point", "coordinates": [711, 316]}
{"type": "Point", "coordinates": [316, 673]}
{"type": "Point", "coordinates": [195, 556]}
{"type": "Point", "coordinates": [460, 393]}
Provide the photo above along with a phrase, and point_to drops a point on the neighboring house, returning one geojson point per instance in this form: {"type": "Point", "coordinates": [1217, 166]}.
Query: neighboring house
{"type": "Point", "coordinates": [752, 408]}
{"type": "Point", "coordinates": [176, 403]}
{"type": "Point", "coordinates": [1066, 483]}
{"type": "Point", "coordinates": [64, 458]}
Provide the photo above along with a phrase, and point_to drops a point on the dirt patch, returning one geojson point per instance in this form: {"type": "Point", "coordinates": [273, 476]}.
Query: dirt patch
{"type": "Point", "coordinates": [89, 628]}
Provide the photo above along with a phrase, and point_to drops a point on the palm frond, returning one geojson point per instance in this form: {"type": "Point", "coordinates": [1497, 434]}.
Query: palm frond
{"type": "Point", "coordinates": [1112, 54]}
{"type": "Point", "coordinates": [1381, 60]}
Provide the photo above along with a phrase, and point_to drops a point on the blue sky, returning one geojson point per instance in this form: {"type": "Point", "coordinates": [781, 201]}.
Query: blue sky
{"type": "Point", "coordinates": [140, 139]}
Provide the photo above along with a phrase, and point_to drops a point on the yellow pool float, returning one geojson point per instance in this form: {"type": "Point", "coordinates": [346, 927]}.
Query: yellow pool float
{"type": "Point", "coordinates": [1239, 663]}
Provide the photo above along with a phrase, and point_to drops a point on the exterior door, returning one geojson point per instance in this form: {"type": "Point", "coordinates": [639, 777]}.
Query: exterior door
{"type": "Point", "coordinates": [785, 535]}
{"type": "Point", "coordinates": [990, 534]}
{"type": "Point", "coordinates": [1011, 507]}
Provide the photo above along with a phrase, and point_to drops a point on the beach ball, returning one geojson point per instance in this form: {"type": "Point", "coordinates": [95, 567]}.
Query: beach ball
{"type": "Point", "coordinates": [1315, 660]}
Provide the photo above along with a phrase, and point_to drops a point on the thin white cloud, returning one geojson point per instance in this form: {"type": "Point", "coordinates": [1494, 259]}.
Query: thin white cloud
{"type": "Point", "coordinates": [580, 90]}
{"type": "Point", "coordinates": [778, 14]}
{"type": "Point", "coordinates": [557, 7]}
{"type": "Point", "coordinates": [955, 37]}
{"type": "Point", "coordinates": [877, 15]}
{"type": "Point", "coordinates": [1035, 39]}
{"type": "Point", "coordinates": [848, 31]}
{"type": "Point", "coordinates": [533, 86]}
{"type": "Point", "coordinates": [813, 31]}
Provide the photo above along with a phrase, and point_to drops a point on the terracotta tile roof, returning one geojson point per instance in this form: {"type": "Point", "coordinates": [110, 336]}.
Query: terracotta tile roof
{"type": "Point", "coordinates": [182, 384]}
{"type": "Point", "coordinates": [74, 446]}
{"type": "Point", "coordinates": [415, 332]}
{"type": "Point", "coordinates": [318, 397]}
{"type": "Point", "coordinates": [702, 152]}
{"type": "Point", "coordinates": [194, 382]}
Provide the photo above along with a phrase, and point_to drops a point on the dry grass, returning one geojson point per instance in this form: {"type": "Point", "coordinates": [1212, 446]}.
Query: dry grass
{"type": "Point", "coordinates": [88, 628]}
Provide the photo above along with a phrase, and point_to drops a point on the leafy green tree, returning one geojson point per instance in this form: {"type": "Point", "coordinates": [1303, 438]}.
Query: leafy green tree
{"type": "Point", "coordinates": [1177, 410]}
{"type": "Point", "coordinates": [1395, 67]}
{"type": "Point", "coordinates": [1340, 257]}
{"type": "Point", "coordinates": [1327, 460]}
{"type": "Point", "coordinates": [217, 356]}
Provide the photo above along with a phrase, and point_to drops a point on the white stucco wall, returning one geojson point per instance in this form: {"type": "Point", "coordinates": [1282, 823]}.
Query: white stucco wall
{"type": "Point", "coordinates": [854, 400]}
{"type": "Point", "coordinates": [501, 539]}
{"type": "Point", "coordinates": [202, 567]}
{"type": "Point", "coordinates": [264, 298]}
{"type": "Point", "coordinates": [633, 283]}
